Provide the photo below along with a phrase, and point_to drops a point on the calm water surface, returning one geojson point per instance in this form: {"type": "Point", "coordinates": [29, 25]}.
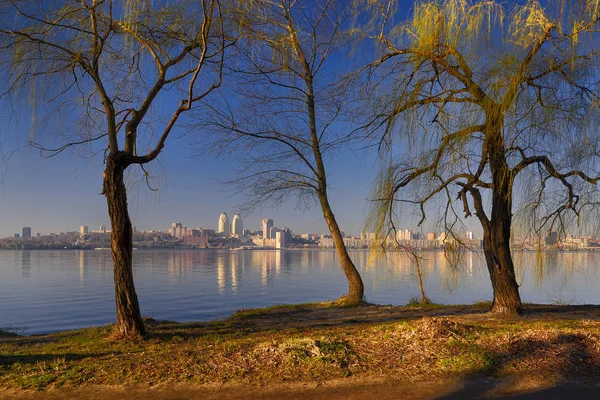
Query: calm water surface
{"type": "Point", "coordinates": [45, 291]}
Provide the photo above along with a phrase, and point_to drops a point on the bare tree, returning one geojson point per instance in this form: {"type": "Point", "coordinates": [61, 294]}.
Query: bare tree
{"type": "Point", "coordinates": [282, 111]}
{"type": "Point", "coordinates": [484, 94]}
{"type": "Point", "coordinates": [105, 64]}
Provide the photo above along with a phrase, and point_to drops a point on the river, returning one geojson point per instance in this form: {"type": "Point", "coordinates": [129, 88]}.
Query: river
{"type": "Point", "coordinates": [53, 290]}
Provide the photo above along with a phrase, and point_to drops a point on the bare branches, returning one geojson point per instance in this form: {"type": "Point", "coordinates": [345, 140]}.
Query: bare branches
{"type": "Point", "coordinates": [282, 106]}
{"type": "Point", "coordinates": [50, 152]}
{"type": "Point", "coordinates": [108, 57]}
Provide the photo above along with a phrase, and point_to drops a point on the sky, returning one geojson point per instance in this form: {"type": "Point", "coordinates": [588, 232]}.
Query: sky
{"type": "Point", "coordinates": [62, 193]}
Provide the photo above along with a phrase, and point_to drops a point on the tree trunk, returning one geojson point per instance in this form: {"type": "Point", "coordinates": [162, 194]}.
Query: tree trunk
{"type": "Point", "coordinates": [424, 298]}
{"type": "Point", "coordinates": [129, 319]}
{"type": "Point", "coordinates": [506, 290]}
{"type": "Point", "coordinates": [356, 289]}
{"type": "Point", "coordinates": [502, 271]}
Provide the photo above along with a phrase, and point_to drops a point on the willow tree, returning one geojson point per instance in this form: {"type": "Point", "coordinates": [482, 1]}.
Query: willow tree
{"type": "Point", "coordinates": [282, 106]}
{"type": "Point", "coordinates": [95, 70]}
{"type": "Point", "coordinates": [476, 99]}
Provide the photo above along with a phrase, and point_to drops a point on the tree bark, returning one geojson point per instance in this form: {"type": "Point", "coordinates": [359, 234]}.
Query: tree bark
{"type": "Point", "coordinates": [424, 298]}
{"type": "Point", "coordinates": [504, 284]}
{"type": "Point", "coordinates": [129, 319]}
{"type": "Point", "coordinates": [356, 289]}
{"type": "Point", "coordinates": [497, 239]}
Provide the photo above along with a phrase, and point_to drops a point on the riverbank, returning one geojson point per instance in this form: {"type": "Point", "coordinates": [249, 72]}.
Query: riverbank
{"type": "Point", "coordinates": [308, 348]}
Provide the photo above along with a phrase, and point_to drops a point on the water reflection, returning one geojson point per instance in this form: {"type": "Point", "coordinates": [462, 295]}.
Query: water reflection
{"type": "Point", "coordinates": [26, 263]}
{"type": "Point", "coordinates": [207, 284]}
{"type": "Point", "coordinates": [221, 272]}
{"type": "Point", "coordinates": [82, 265]}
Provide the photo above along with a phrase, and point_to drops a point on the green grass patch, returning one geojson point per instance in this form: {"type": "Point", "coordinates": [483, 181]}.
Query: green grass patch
{"type": "Point", "coordinates": [242, 350]}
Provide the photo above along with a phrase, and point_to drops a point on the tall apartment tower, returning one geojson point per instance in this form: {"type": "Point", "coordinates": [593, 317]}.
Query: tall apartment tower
{"type": "Point", "coordinates": [223, 226]}
{"type": "Point", "coordinates": [267, 225]}
{"type": "Point", "coordinates": [280, 240]}
{"type": "Point", "coordinates": [26, 232]}
{"type": "Point", "coordinates": [83, 230]}
{"type": "Point", "coordinates": [237, 226]}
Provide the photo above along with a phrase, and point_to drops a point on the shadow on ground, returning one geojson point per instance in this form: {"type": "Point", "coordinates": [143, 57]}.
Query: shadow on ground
{"type": "Point", "coordinates": [565, 365]}
{"type": "Point", "coordinates": [324, 315]}
{"type": "Point", "coordinates": [8, 360]}
{"type": "Point", "coordinates": [560, 363]}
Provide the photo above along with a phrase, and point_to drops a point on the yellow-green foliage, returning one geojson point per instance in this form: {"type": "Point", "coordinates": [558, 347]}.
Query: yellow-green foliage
{"type": "Point", "coordinates": [448, 23]}
{"type": "Point", "coordinates": [528, 23]}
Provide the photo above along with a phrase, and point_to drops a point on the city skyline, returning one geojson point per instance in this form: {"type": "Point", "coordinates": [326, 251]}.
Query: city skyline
{"type": "Point", "coordinates": [31, 195]}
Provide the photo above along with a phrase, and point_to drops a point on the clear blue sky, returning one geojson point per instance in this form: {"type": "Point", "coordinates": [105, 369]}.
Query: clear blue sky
{"type": "Point", "coordinates": [61, 193]}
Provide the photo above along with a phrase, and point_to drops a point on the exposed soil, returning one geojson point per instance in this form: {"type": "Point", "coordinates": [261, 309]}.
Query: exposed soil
{"type": "Point", "coordinates": [309, 316]}
{"type": "Point", "coordinates": [350, 389]}
{"type": "Point", "coordinates": [385, 352]}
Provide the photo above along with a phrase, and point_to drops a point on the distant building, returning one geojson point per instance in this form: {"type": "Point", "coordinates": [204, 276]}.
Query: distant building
{"type": "Point", "coordinates": [196, 237]}
{"type": "Point", "coordinates": [288, 234]}
{"type": "Point", "coordinates": [38, 235]}
{"type": "Point", "coordinates": [102, 229]}
{"type": "Point", "coordinates": [280, 240]}
{"type": "Point", "coordinates": [237, 225]}
{"type": "Point", "coordinates": [26, 232]}
{"type": "Point", "coordinates": [551, 239]}
{"type": "Point", "coordinates": [16, 236]}
{"type": "Point", "coordinates": [208, 232]}
{"type": "Point", "coordinates": [431, 236]}
{"type": "Point", "coordinates": [326, 242]}
{"type": "Point", "coordinates": [178, 230]}
{"type": "Point", "coordinates": [267, 226]}
{"type": "Point", "coordinates": [469, 235]}
{"type": "Point", "coordinates": [83, 230]}
{"type": "Point", "coordinates": [404, 235]}
{"type": "Point", "coordinates": [223, 225]}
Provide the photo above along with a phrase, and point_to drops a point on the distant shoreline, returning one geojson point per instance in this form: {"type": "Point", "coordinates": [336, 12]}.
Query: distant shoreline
{"type": "Point", "coordinates": [296, 249]}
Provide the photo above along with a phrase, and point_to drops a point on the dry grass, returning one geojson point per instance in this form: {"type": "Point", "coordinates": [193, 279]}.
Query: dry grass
{"type": "Point", "coordinates": [270, 347]}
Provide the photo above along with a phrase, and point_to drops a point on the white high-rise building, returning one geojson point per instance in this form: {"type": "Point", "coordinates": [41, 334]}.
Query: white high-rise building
{"type": "Point", "coordinates": [237, 226]}
{"type": "Point", "coordinates": [469, 235]}
{"type": "Point", "coordinates": [280, 240]}
{"type": "Point", "coordinates": [223, 226]}
{"type": "Point", "coordinates": [267, 225]}
{"type": "Point", "coordinates": [83, 230]}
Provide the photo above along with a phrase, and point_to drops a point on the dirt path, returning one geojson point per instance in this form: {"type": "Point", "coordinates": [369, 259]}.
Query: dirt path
{"type": "Point", "coordinates": [337, 390]}
{"type": "Point", "coordinates": [311, 316]}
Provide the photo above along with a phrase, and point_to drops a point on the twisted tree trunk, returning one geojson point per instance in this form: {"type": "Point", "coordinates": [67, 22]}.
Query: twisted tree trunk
{"type": "Point", "coordinates": [506, 290]}
{"type": "Point", "coordinates": [497, 240]}
{"type": "Point", "coordinates": [356, 289]}
{"type": "Point", "coordinates": [129, 319]}
{"type": "Point", "coordinates": [499, 259]}
{"type": "Point", "coordinates": [496, 247]}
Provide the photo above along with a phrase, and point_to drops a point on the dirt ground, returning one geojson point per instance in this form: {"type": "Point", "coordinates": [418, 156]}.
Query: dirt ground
{"type": "Point", "coordinates": [307, 316]}
{"type": "Point", "coordinates": [310, 316]}
{"type": "Point", "coordinates": [455, 389]}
